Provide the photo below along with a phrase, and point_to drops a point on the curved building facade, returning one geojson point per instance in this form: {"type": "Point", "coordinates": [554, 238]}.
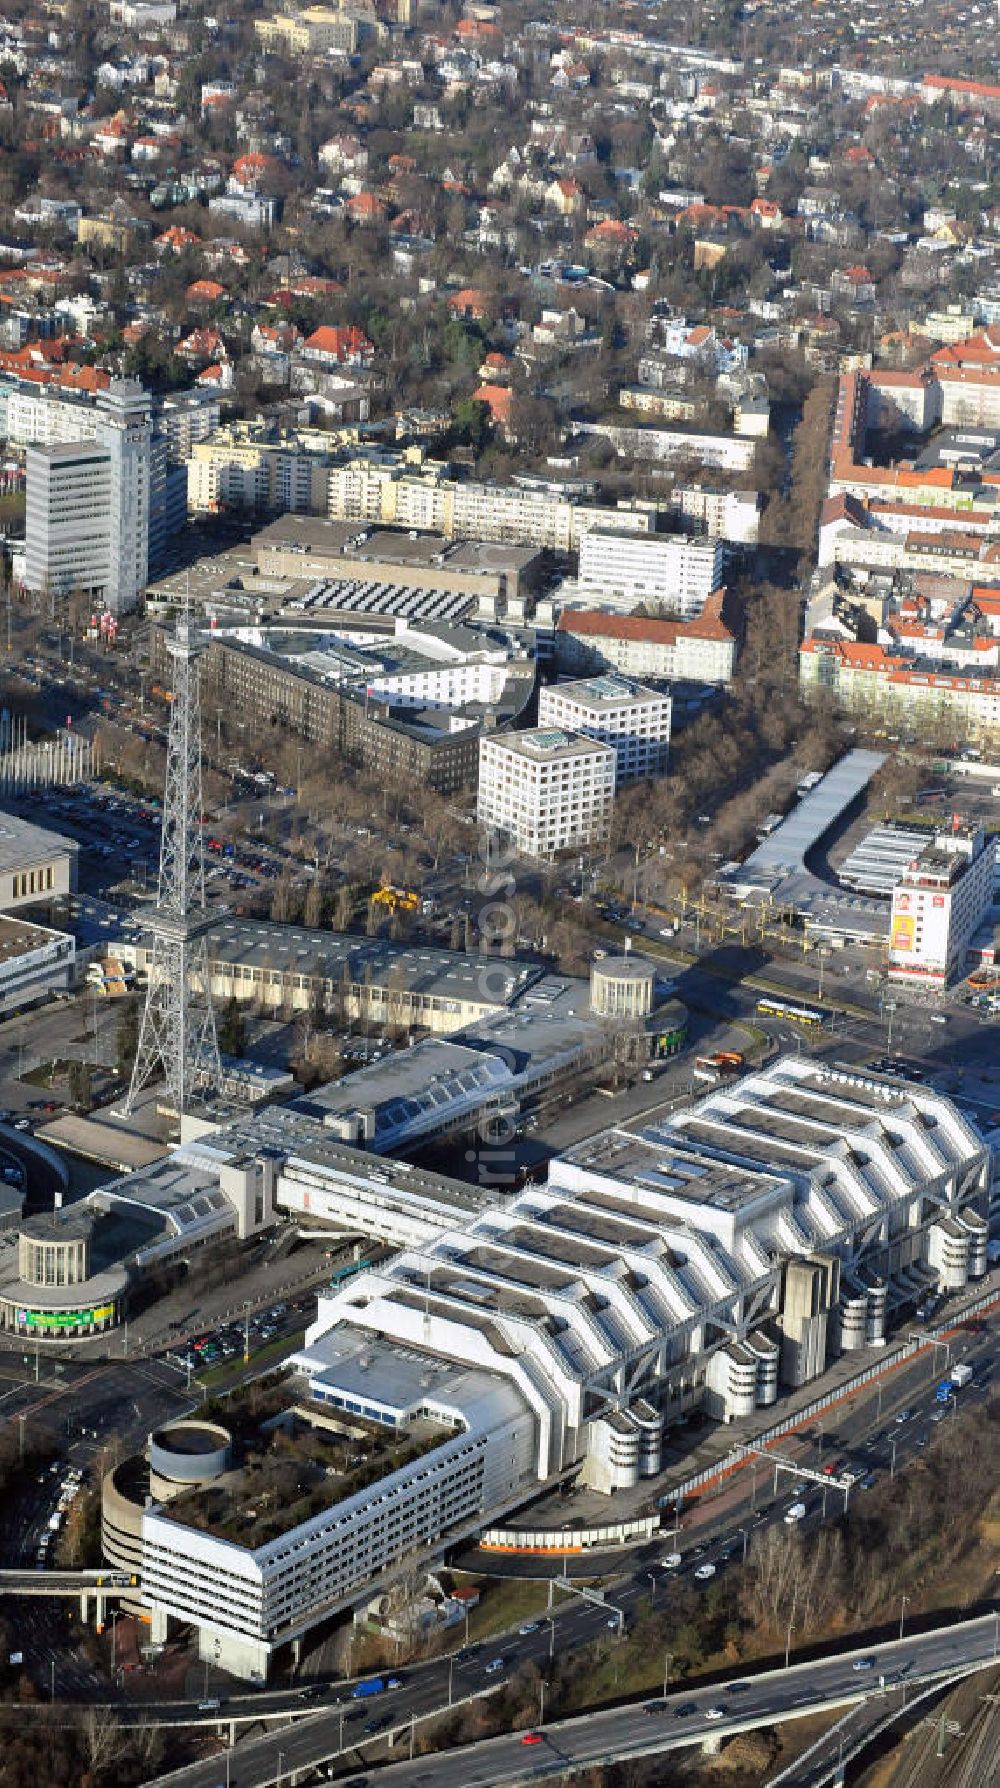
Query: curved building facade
{"type": "Point", "coordinates": [49, 1288]}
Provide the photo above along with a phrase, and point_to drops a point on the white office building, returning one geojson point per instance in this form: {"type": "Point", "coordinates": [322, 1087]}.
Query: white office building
{"type": "Point", "coordinates": [247, 1600]}
{"type": "Point", "coordinates": [87, 514]}
{"type": "Point", "coordinates": [784, 1215]}
{"type": "Point", "coordinates": [940, 902]}
{"type": "Point", "coordinates": [66, 518]}
{"type": "Point", "coordinates": [546, 790]}
{"type": "Point", "coordinates": [631, 718]}
{"type": "Point", "coordinates": [677, 572]}
{"type": "Point", "coordinates": [740, 1244]}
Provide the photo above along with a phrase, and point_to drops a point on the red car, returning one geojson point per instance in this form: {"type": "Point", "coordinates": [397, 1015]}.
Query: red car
{"type": "Point", "coordinates": [532, 1738]}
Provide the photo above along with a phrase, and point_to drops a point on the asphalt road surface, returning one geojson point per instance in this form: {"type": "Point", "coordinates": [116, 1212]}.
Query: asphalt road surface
{"type": "Point", "coordinates": [682, 1719]}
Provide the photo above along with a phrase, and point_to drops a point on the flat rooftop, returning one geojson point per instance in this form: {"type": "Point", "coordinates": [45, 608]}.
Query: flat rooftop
{"type": "Point", "coordinates": [656, 1161]}
{"type": "Point", "coordinates": [301, 1137]}
{"type": "Point", "coordinates": [305, 533]}
{"type": "Point", "coordinates": [549, 743]}
{"type": "Point", "coordinates": [607, 693]}
{"type": "Point", "coordinates": [320, 1464]}
{"type": "Point", "coordinates": [360, 541]}
{"type": "Point", "coordinates": [17, 938]}
{"type": "Point", "coordinates": [23, 845]}
{"type": "Point", "coordinates": [447, 975]}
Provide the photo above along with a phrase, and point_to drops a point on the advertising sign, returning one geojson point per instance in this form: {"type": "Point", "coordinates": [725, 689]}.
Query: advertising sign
{"type": "Point", "coordinates": [64, 1319]}
{"type": "Point", "coordinates": [902, 934]}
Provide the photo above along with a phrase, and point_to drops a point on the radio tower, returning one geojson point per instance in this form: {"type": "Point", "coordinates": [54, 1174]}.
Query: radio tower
{"type": "Point", "coordinates": [177, 1036]}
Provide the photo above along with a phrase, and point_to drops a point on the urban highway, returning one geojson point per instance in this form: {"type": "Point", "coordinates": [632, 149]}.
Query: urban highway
{"type": "Point", "coordinates": [682, 1718]}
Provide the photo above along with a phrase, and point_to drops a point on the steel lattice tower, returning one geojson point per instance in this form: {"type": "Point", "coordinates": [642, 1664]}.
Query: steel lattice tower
{"type": "Point", "coordinates": [177, 1035]}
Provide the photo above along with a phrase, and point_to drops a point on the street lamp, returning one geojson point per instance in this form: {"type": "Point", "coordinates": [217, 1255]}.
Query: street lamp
{"type": "Point", "coordinates": [902, 1613]}
{"type": "Point", "coordinates": [788, 1641]}
{"type": "Point", "coordinates": [745, 1531]}
{"type": "Point", "coordinates": [668, 1660]}
{"type": "Point", "coordinates": [281, 1769]}
{"type": "Point", "coordinates": [889, 1006]}
{"type": "Point", "coordinates": [652, 1587]}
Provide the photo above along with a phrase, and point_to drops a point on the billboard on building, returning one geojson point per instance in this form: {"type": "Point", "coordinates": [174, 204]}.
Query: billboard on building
{"type": "Point", "coordinates": [902, 932]}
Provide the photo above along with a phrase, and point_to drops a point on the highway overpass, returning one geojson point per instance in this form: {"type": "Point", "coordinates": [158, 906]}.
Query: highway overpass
{"type": "Point", "coordinates": [883, 1678]}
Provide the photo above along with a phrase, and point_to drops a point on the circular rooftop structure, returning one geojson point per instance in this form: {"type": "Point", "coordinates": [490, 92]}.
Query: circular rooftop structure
{"type": "Point", "coordinates": [622, 987]}
{"type": "Point", "coordinates": [53, 1248]}
{"type": "Point", "coordinates": [187, 1453]}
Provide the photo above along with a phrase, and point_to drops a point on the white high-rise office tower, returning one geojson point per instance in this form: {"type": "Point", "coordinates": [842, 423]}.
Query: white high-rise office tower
{"type": "Point", "coordinates": [125, 429]}
{"type": "Point", "coordinates": [87, 515]}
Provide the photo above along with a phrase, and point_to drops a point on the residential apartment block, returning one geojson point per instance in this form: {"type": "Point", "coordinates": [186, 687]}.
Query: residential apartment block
{"type": "Point", "coordinates": [252, 465]}
{"type": "Point", "coordinates": [401, 493]}
{"type": "Point", "coordinates": [871, 679]}
{"type": "Point", "coordinates": [310, 30]}
{"type": "Point", "coordinates": [632, 719]}
{"type": "Point", "coordinates": [546, 790]}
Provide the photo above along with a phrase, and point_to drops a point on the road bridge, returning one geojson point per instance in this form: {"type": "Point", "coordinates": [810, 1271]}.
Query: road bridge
{"type": "Point", "coordinates": [885, 1678]}
{"type": "Point", "coordinates": [96, 1586]}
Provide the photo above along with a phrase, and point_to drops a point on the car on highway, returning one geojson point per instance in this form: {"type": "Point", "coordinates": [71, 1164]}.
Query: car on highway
{"type": "Point", "coordinates": [737, 1688]}
{"type": "Point", "coordinates": [494, 1667]}
{"type": "Point", "coordinates": [704, 1572]}
{"type": "Point", "coordinates": [686, 1709]}
{"type": "Point", "coordinates": [654, 1707]}
{"type": "Point", "coordinates": [715, 1713]}
{"type": "Point", "coordinates": [863, 1664]}
{"type": "Point", "coordinates": [530, 1626]}
{"type": "Point", "coordinates": [531, 1738]}
{"type": "Point", "coordinates": [671, 1562]}
{"type": "Point", "coordinates": [377, 1723]}
{"type": "Point", "coordinates": [795, 1513]}
{"type": "Point", "coordinates": [903, 1416]}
